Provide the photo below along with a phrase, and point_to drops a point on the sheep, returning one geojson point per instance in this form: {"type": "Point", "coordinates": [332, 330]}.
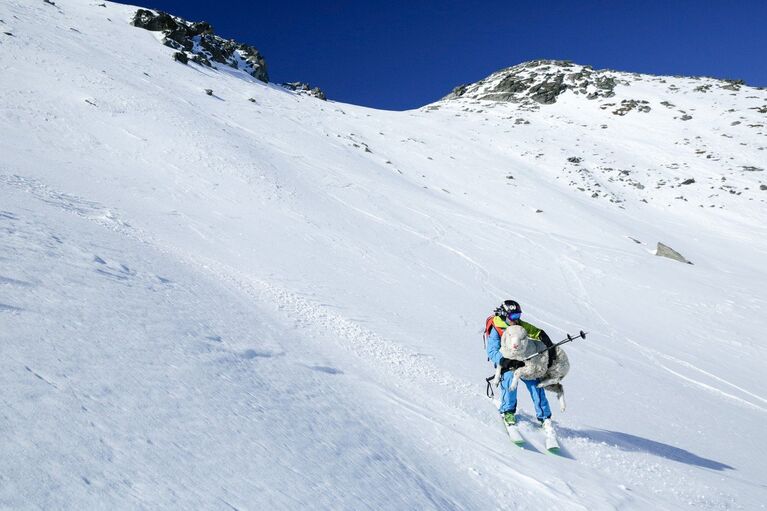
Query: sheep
{"type": "Point", "coordinates": [516, 345]}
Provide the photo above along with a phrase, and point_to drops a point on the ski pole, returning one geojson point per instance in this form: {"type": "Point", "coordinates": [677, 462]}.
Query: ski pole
{"type": "Point", "coordinates": [570, 338]}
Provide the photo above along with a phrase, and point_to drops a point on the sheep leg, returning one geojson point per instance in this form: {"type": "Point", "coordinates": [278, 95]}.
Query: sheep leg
{"type": "Point", "coordinates": [548, 383]}
{"type": "Point", "coordinates": [497, 378]}
{"type": "Point", "coordinates": [514, 381]}
{"type": "Point", "coordinates": [559, 390]}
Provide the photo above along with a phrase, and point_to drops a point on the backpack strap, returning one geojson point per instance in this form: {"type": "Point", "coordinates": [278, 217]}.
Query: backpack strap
{"type": "Point", "coordinates": [489, 324]}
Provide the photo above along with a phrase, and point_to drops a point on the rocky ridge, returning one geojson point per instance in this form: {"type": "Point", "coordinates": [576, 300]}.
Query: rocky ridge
{"type": "Point", "coordinates": [542, 82]}
{"type": "Point", "coordinates": [709, 136]}
{"type": "Point", "coordinates": [196, 41]}
{"type": "Point", "coordinates": [305, 89]}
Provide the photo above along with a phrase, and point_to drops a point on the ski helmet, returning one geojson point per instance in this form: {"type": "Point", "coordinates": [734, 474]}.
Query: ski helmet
{"type": "Point", "coordinates": [509, 309]}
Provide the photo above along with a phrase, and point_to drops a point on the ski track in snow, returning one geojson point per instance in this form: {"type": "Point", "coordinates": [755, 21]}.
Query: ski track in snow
{"type": "Point", "coordinates": [655, 356]}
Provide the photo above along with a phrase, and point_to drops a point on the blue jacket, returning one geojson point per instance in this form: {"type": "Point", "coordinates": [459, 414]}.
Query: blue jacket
{"type": "Point", "coordinates": [494, 347]}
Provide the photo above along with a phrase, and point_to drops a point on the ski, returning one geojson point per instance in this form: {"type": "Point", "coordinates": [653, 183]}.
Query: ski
{"type": "Point", "coordinates": [512, 429]}
{"type": "Point", "coordinates": [552, 444]}
{"type": "Point", "coordinates": [514, 434]}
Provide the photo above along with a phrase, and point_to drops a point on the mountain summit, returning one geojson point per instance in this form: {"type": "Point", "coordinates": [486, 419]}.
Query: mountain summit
{"type": "Point", "coordinates": [543, 81]}
{"type": "Point", "coordinates": [689, 136]}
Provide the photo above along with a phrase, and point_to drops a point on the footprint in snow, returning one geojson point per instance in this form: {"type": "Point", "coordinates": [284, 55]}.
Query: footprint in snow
{"type": "Point", "coordinates": [326, 369]}
{"type": "Point", "coordinates": [251, 354]}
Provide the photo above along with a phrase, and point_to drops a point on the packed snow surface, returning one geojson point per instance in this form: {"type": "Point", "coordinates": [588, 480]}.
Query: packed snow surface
{"type": "Point", "coordinates": [253, 299]}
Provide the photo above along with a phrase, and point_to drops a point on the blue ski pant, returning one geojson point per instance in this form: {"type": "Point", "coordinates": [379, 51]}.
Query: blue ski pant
{"type": "Point", "coordinates": [509, 397]}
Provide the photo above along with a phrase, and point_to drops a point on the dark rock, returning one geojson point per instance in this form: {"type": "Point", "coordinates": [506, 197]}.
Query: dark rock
{"type": "Point", "coordinates": [512, 84]}
{"type": "Point", "coordinates": [574, 159]}
{"type": "Point", "coordinates": [605, 83]}
{"type": "Point", "coordinates": [180, 56]}
{"type": "Point", "coordinates": [201, 60]}
{"type": "Point", "coordinates": [305, 89]}
{"type": "Point", "coordinates": [686, 117]}
{"type": "Point", "coordinates": [666, 251]}
{"type": "Point", "coordinates": [209, 92]}
{"type": "Point", "coordinates": [733, 84]}
{"type": "Point", "coordinates": [546, 92]}
{"type": "Point", "coordinates": [458, 91]}
{"type": "Point", "coordinates": [628, 105]}
{"type": "Point", "coordinates": [9, 34]}
{"type": "Point", "coordinates": [198, 38]}
{"type": "Point", "coordinates": [155, 22]}
{"type": "Point", "coordinates": [49, 2]}
{"type": "Point", "coordinates": [763, 187]}
{"type": "Point", "coordinates": [749, 168]}
{"type": "Point", "coordinates": [688, 181]}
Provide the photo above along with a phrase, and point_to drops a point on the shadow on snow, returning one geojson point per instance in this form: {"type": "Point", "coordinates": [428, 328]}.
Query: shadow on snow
{"type": "Point", "coordinates": [633, 443]}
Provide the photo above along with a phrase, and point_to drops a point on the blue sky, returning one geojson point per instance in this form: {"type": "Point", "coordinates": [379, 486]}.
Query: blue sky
{"type": "Point", "coordinates": [398, 55]}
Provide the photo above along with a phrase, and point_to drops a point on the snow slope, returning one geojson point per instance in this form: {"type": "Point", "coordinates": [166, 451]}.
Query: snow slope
{"type": "Point", "coordinates": [256, 299]}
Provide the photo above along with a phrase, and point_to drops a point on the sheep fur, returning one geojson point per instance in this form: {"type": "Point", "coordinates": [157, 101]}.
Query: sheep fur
{"type": "Point", "coordinates": [516, 345]}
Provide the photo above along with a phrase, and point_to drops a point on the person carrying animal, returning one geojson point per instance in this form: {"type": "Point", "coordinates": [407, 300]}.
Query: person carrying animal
{"type": "Point", "coordinates": [506, 315]}
{"type": "Point", "coordinates": [517, 345]}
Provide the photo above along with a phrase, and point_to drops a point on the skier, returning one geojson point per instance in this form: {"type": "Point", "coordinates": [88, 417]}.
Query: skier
{"type": "Point", "coordinates": [507, 314]}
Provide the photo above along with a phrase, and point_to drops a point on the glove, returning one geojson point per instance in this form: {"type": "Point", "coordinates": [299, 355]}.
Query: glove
{"type": "Point", "coordinates": [508, 363]}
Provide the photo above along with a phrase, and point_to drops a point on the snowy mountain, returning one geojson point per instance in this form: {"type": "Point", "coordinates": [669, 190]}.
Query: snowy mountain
{"type": "Point", "coordinates": [219, 293]}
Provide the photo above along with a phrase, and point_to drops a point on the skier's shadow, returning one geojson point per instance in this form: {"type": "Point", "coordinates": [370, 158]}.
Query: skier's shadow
{"type": "Point", "coordinates": [633, 443]}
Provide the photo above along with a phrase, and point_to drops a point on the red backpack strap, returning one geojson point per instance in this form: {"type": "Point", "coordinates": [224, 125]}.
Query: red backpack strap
{"type": "Point", "coordinates": [489, 324]}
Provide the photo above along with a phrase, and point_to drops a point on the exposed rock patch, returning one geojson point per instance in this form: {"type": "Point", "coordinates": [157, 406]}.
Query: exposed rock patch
{"type": "Point", "coordinates": [198, 43]}
{"type": "Point", "coordinates": [666, 251]}
{"type": "Point", "coordinates": [628, 105]}
{"type": "Point", "coordinates": [540, 82]}
{"type": "Point", "coordinates": [305, 89]}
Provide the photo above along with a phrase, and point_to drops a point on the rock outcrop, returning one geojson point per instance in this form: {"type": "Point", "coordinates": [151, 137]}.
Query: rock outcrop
{"type": "Point", "coordinates": [666, 251]}
{"type": "Point", "coordinates": [198, 43]}
{"type": "Point", "coordinates": [541, 82]}
{"type": "Point", "coordinates": [305, 89]}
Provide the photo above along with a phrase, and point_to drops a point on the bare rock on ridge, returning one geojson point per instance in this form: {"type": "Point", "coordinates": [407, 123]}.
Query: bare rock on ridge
{"type": "Point", "coordinates": [198, 42]}
{"type": "Point", "coordinates": [305, 89]}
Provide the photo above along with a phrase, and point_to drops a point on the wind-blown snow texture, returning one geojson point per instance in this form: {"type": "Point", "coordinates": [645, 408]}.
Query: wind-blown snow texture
{"type": "Point", "coordinates": [254, 300]}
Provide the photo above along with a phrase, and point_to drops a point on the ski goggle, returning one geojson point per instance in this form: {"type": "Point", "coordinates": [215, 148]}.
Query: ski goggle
{"type": "Point", "coordinates": [515, 316]}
